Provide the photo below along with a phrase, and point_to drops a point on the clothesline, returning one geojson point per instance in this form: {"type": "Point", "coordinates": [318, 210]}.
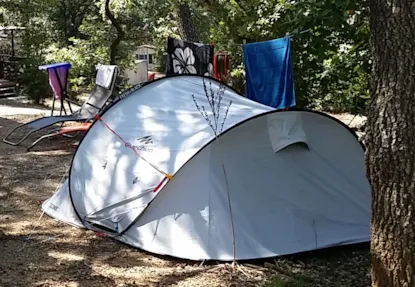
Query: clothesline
{"type": "Point", "coordinates": [301, 32]}
{"type": "Point", "coordinates": [288, 35]}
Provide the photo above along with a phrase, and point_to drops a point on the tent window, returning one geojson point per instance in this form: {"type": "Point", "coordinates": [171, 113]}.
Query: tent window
{"type": "Point", "coordinates": [285, 129]}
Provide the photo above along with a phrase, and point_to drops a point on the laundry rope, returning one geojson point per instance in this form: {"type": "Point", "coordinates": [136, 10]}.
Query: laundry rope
{"type": "Point", "coordinates": [127, 144]}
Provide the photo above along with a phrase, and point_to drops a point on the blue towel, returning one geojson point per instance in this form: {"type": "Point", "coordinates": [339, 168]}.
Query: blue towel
{"type": "Point", "coordinates": [269, 75]}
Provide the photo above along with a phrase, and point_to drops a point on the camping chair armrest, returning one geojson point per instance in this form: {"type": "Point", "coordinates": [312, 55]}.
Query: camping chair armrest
{"type": "Point", "coordinates": [73, 102]}
{"type": "Point", "coordinates": [99, 109]}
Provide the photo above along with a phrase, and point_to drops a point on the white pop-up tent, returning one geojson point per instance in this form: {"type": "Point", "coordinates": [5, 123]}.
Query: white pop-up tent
{"type": "Point", "coordinates": [296, 179]}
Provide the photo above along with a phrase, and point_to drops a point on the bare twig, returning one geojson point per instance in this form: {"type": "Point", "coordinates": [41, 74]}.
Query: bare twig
{"type": "Point", "coordinates": [215, 100]}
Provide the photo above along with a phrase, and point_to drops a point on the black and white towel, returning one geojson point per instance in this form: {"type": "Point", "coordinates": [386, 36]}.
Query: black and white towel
{"type": "Point", "coordinates": [189, 58]}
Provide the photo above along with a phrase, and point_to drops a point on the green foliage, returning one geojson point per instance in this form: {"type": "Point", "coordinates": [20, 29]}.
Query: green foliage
{"type": "Point", "coordinates": [34, 83]}
{"type": "Point", "coordinates": [82, 63]}
{"type": "Point", "coordinates": [331, 63]}
{"type": "Point", "coordinates": [32, 41]}
{"type": "Point", "coordinates": [67, 16]}
{"type": "Point", "coordinates": [331, 60]}
{"type": "Point", "coordinates": [74, 31]}
{"type": "Point", "coordinates": [83, 54]}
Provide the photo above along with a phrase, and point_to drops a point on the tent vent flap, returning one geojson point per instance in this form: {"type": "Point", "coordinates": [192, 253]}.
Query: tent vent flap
{"type": "Point", "coordinates": [285, 129]}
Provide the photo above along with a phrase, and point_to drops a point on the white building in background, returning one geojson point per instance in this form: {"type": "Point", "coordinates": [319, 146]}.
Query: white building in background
{"type": "Point", "coordinates": [148, 53]}
{"type": "Point", "coordinates": [144, 63]}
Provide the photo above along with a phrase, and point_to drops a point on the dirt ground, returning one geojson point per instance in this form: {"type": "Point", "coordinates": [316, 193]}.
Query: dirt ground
{"type": "Point", "coordinates": [36, 250]}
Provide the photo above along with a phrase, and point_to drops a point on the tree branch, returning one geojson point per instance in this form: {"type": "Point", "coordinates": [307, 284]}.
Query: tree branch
{"type": "Point", "coordinates": [120, 32]}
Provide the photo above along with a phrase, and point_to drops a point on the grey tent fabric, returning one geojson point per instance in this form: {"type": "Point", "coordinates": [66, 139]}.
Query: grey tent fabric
{"type": "Point", "coordinates": [89, 108]}
{"type": "Point", "coordinates": [296, 179]}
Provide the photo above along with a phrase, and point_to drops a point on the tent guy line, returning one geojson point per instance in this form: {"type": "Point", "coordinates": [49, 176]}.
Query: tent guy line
{"type": "Point", "coordinates": [127, 144]}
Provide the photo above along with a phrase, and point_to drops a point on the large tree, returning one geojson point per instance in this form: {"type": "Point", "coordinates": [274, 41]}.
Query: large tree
{"type": "Point", "coordinates": [391, 143]}
{"type": "Point", "coordinates": [187, 29]}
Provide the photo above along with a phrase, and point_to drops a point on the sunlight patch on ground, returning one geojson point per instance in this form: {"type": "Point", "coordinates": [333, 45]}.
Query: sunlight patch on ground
{"type": "Point", "coordinates": [57, 283]}
{"type": "Point", "coordinates": [17, 228]}
{"type": "Point", "coordinates": [126, 272]}
{"type": "Point", "coordinates": [10, 111]}
{"type": "Point", "coordinates": [65, 256]}
{"type": "Point", "coordinates": [52, 153]}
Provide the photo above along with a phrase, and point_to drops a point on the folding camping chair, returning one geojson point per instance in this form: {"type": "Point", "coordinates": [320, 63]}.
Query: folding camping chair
{"type": "Point", "coordinates": [104, 85]}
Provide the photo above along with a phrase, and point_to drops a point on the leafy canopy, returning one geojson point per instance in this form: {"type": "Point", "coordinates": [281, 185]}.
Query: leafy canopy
{"type": "Point", "coordinates": [331, 60]}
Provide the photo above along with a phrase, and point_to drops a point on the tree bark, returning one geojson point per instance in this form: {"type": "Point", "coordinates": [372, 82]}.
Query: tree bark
{"type": "Point", "coordinates": [187, 29]}
{"type": "Point", "coordinates": [390, 156]}
{"type": "Point", "coordinates": [120, 33]}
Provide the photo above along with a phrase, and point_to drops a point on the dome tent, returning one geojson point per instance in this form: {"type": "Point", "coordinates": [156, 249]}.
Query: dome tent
{"type": "Point", "coordinates": [296, 179]}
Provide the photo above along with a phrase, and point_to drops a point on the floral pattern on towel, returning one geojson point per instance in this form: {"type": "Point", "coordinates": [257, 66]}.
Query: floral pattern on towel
{"type": "Point", "coordinates": [183, 61]}
{"type": "Point", "coordinates": [189, 58]}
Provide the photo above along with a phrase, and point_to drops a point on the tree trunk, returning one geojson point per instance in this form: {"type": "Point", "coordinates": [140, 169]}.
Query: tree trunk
{"type": "Point", "coordinates": [390, 140]}
{"type": "Point", "coordinates": [120, 33]}
{"type": "Point", "coordinates": [187, 29]}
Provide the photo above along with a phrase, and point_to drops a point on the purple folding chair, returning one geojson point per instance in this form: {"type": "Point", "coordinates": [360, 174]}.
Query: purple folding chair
{"type": "Point", "coordinates": [58, 80]}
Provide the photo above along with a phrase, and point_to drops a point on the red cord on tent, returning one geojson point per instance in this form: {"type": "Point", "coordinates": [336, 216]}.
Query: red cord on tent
{"type": "Point", "coordinates": [127, 144]}
{"type": "Point", "coordinates": [40, 202]}
{"type": "Point", "coordinates": [160, 184]}
{"type": "Point", "coordinates": [100, 233]}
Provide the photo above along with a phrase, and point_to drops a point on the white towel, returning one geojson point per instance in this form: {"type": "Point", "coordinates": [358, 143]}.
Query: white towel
{"type": "Point", "coordinates": [105, 74]}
